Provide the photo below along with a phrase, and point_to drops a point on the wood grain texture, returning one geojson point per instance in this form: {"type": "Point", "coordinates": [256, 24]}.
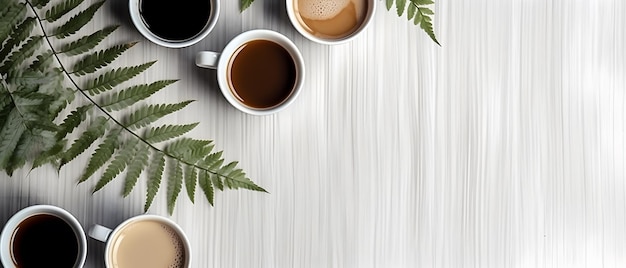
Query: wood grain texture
{"type": "Point", "coordinates": [505, 147]}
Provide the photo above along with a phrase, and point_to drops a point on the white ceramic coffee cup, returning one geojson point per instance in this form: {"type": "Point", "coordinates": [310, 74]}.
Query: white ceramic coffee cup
{"type": "Point", "coordinates": [293, 17]}
{"type": "Point", "coordinates": [13, 223]}
{"type": "Point", "coordinates": [104, 234]}
{"type": "Point", "coordinates": [220, 62]}
{"type": "Point", "coordinates": [135, 16]}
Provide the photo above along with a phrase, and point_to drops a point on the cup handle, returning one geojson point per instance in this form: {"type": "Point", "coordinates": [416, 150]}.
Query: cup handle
{"type": "Point", "coordinates": [99, 232]}
{"type": "Point", "coordinates": [207, 59]}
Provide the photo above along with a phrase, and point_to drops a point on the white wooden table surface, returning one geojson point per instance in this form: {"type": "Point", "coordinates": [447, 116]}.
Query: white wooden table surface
{"type": "Point", "coordinates": [502, 148]}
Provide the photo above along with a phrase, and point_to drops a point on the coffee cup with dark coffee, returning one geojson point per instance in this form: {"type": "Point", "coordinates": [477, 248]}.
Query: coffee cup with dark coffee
{"type": "Point", "coordinates": [43, 236]}
{"type": "Point", "coordinates": [259, 72]}
{"type": "Point", "coordinates": [144, 241]}
{"type": "Point", "coordinates": [330, 22]}
{"type": "Point", "coordinates": [174, 24]}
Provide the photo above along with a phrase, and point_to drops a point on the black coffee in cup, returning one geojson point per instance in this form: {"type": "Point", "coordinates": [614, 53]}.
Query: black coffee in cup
{"type": "Point", "coordinates": [262, 74]}
{"type": "Point", "coordinates": [175, 20]}
{"type": "Point", "coordinates": [44, 240]}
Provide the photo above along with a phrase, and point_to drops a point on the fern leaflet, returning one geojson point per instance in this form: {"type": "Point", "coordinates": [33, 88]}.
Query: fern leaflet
{"type": "Point", "coordinates": [174, 184]}
{"type": "Point", "coordinates": [207, 187]}
{"type": "Point", "coordinates": [75, 23]}
{"type": "Point", "coordinates": [57, 11]}
{"type": "Point", "coordinates": [93, 132]}
{"type": "Point", "coordinates": [129, 96]}
{"type": "Point", "coordinates": [167, 132]}
{"type": "Point", "coordinates": [100, 59]}
{"type": "Point", "coordinates": [150, 113]}
{"type": "Point", "coordinates": [86, 43]}
{"type": "Point", "coordinates": [154, 177]}
{"type": "Point", "coordinates": [103, 153]}
{"type": "Point", "coordinates": [191, 178]}
{"type": "Point", "coordinates": [119, 163]}
{"type": "Point", "coordinates": [135, 168]}
{"type": "Point", "coordinates": [115, 77]}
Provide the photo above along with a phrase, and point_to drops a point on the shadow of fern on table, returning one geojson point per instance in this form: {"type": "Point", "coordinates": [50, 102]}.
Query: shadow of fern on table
{"type": "Point", "coordinates": [44, 102]}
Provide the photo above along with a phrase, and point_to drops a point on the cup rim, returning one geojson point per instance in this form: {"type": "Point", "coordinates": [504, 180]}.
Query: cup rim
{"type": "Point", "coordinates": [260, 34]}
{"type": "Point", "coordinates": [371, 10]}
{"type": "Point", "coordinates": [29, 211]}
{"type": "Point", "coordinates": [133, 9]}
{"type": "Point", "coordinates": [171, 224]}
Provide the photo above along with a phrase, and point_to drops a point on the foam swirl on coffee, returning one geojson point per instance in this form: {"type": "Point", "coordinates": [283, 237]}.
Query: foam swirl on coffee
{"type": "Point", "coordinates": [322, 9]}
{"type": "Point", "coordinates": [330, 19]}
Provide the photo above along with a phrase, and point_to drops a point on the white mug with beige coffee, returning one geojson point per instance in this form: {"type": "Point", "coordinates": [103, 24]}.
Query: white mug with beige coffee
{"type": "Point", "coordinates": [144, 241]}
{"type": "Point", "coordinates": [43, 236]}
{"type": "Point", "coordinates": [330, 22]}
{"type": "Point", "coordinates": [260, 72]}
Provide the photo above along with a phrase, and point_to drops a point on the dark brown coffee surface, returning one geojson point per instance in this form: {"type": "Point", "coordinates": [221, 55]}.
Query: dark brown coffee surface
{"type": "Point", "coordinates": [175, 20]}
{"type": "Point", "coordinates": [44, 241]}
{"type": "Point", "coordinates": [262, 74]}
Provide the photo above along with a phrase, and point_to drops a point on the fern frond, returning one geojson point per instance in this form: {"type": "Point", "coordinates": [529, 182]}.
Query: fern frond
{"type": "Point", "coordinates": [73, 120]}
{"type": "Point", "coordinates": [43, 62]}
{"type": "Point", "coordinates": [136, 166]}
{"type": "Point", "coordinates": [18, 157]}
{"type": "Point", "coordinates": [189, 150]}
{"type": "Point", "coordinates": [418, 12]}
{"type": "Point", "coordinates": [94, 131]}
{"type": "Point", "coordinates": [129, 96]}
{"type": "Point", "coordinates": [86, 43]}
{"type": "Point", "coordinates": [207, 187]}
{"type": "Point", "coordinates": [57, 11]}
{"type": "Point", "coordinates": [77, 22]}
{"type": "Point", "coordinates": [237, 179]}
{"type": "Point", "coordinates": [22, 54]}
{"type": "Point", "coordinates": [50, 155]}
{"type": "Point", "coordinates": [245, 4]}
{"type": "Point", "coordinates": [191, 179]}
{"type": "Point", "coordinates": [174, 184]}
{"type": "Point", "coordinates": [167, 132]}
{"type": "Point", "coordinates": [39, 3]}
{"type": "Point", "coordinates": [119, 163]}
{"type": "Point", "coordinates": [155, 173]}
{"type": "Point", "coordinates": [12, 14]}
{"type": "Point", "coordinates": [10, 135]}
{"type": "Point", "coordinates": [150, 113]}
{"type": "Point", "coordinates": [97, 60]}
{"type": "Point", "coordinates": [20, 34]}
{"type": "Point", "coordinates": [103, 153]}
{"type": "Point", "coordinates": [115, 77]}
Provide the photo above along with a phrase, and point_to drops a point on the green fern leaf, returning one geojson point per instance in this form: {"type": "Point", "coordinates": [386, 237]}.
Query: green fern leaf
{"type": "Point", "coordinates": [213, 161]}
{"type": "Point", "coordinates": [43, 62]}
{"type": "Point", "coordinates": [129, 96]}
{"type": "Point", "coordinates": [86, 43]}
{"type": "Point", "coordinates": [207, 187]}
{"type": "Point", "coordinates": [73, 120]}
{"type": "Point", "coordinates": [426, 23]}
{"type": "Point", "coordinates": [174, 184]}
{"type": "Point", "coordinates": [217, 181]}
{"type": "Point", "coordinates": [100, 59]}
{"type": "Point", "coordinates": [94, 131]}
{"type": "Point", "coordinates": [150, 113]}
{"type": "Point", "coordinates": [18, 158]}
{"type": "Point", "coordinates": [20, 34]}
{"type": "Point", "coordinates": [400, 7]}
{"type": "Point", "coordinates": [245, 4]}
{"type": "Point", "coordinates": [77, 22]}
{"type": "Point", "coordinates": [103, 153]}
{"type": "Point", "coordinates": [22, 54]}
{"type": "Point", "coordinates": [189, 150]}
{"type": "Point", "coordinates": [191, 179]}
{"type": "Point", "coordinates": [49, 156]}
{"type": "Point", "coordinates": [410, 13]}
{"type": "Point", "coordinates": [167, 132]}
{"type": "Point", "coordinates": [115, 77]}
{"type": "Point", "coordinates": [155, 173]}
{"type": "Point", "coordinates": [12, 14]}
{"type": "Point", "coordinates": [237, 179]}
{"type": "Point", "coordinates": [39, 3]}
{"type": "Point", "coordinates": [136, 166]}
{"type": "Point", "coordinates": [119, 163]}
{"type": "Point", "coordinates": [389, 4]}
{"type": "Point", "coordinates": [33, 142]}
{"type": "Point", "coordinates": [10, 135]}
{"type": "Point", "coordinates": [57, 11]}
{"type": "Point", "coordinates": [423, 2]}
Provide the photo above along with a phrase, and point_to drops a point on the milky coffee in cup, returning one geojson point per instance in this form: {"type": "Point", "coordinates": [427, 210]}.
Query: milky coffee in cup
{"type": "Point", "coordinates": [330, 21]}
{"type": "Point", "coordinates": [144, 241]}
